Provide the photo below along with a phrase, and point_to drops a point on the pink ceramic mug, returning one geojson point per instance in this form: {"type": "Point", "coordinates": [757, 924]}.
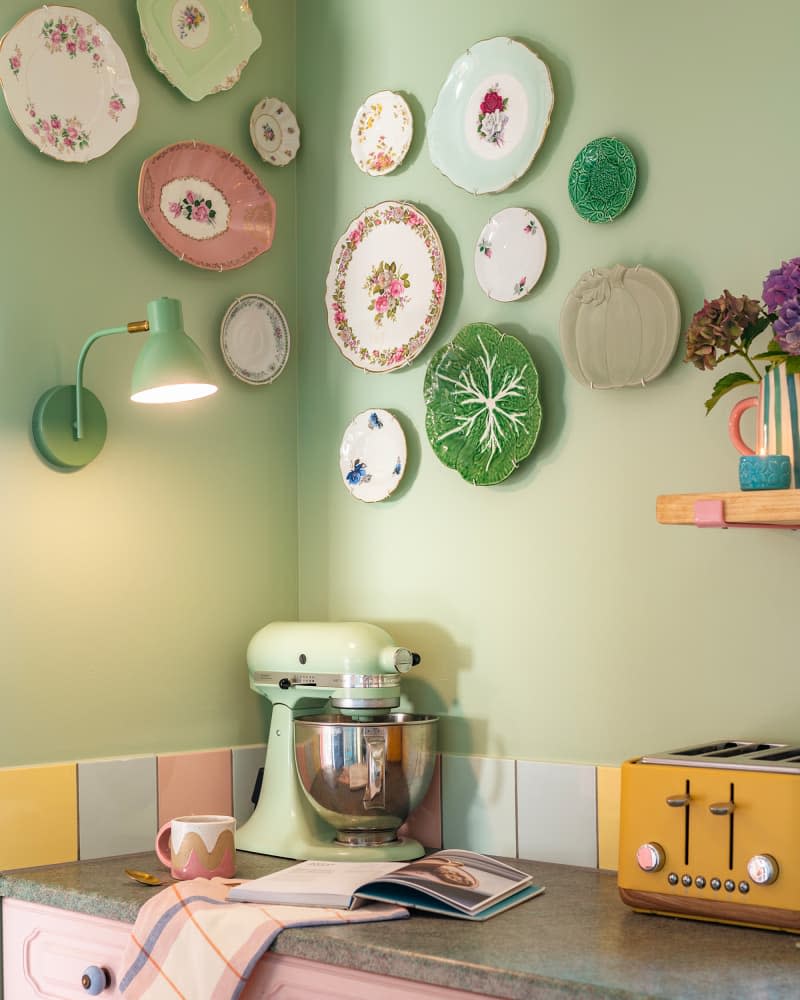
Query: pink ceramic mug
{"type": "Point", "coordinates": [198, 846]}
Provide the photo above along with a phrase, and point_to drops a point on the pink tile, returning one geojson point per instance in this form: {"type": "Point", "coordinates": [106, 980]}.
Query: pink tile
{"type": "Point", "coordinates": [425, 823]}
{"type": "Point", "coordinates": [193, 784]}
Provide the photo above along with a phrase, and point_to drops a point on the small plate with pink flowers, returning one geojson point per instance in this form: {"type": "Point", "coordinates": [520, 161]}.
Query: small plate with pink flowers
{"type": "Point", "coordinates": [381, 133]}
{"type": "Point", "coordinates": [510, 254]}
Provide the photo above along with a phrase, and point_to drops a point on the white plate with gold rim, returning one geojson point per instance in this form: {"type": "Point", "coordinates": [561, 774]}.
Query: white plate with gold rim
{"type": "Point", "coordinates": [254, 339]}
{"type": "Point", "coordinates": [510, 254]}
{"type": "Point", "coordinates": [372, 455]}
{"type": "Point", "coordinates": [274, 131]}
{"type": "Point", "coordinates": [381, 133]}
{"type": "Point", "coordinates": [67, 84]}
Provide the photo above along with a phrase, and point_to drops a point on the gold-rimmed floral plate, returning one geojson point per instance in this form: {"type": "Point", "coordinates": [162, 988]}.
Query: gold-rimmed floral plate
{"type": "Point", "coordinates": [381, 133]}
{"type": "Point", "coordinates": [372, 455]}
{"type": "Point", "coordinates": [67, 84]}
{"type": "Point", "coordinates": [510, 254]}
{"type": "Point", "coordinates": [274, 131]}
{"type": "Point", "coordinates": [254, 339]}
{"type": "Point", "coordinates": [385, 287]}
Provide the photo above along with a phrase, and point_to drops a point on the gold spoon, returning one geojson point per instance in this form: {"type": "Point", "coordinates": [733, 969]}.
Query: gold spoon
{"type": "Point", "coordinates": [145, 878]}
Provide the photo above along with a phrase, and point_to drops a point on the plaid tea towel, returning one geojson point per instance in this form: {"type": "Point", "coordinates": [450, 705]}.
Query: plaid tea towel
{"type": "Point", "coordinates": [190, 943]}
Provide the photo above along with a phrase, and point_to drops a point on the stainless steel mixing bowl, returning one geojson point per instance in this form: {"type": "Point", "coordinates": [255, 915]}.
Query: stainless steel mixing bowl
{"type": "Point", "coordinates": [364, 778]}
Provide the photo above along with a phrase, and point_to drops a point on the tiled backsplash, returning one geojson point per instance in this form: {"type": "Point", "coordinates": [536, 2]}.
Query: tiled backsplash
{"type": "Point", "coordinates": [564, 813]}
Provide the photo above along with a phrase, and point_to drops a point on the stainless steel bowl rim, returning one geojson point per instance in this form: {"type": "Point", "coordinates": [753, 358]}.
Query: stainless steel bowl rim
{"type": "Point", "coordinates": [387, 719]}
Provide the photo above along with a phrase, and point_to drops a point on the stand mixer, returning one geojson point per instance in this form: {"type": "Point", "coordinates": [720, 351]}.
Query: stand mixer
{"type": "Point", "coordinates": [342, 770]}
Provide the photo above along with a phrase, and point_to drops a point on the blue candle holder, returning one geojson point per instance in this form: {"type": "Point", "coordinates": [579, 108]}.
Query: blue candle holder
{"type": "Point", "coordinates": [765, 472]}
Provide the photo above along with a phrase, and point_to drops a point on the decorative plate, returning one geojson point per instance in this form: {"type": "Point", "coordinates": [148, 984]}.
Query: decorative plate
{"type": "Point", "coordinates": [274, 131]}
{"type": "Point", "coordinates": [255, 339]}
{"type": "Point", "coordinates": [619, 327]}
{"type": "Point", "coordinates": [385, 287]}
{"type": "Point", "coordinates": [201, 47]}
{"type": "Point", "coordinates": [205, 206]}
{"type": "Point", "coordinates": [483, 411]}
{"type": "Point", "coordinates": [372, 456]}
{"type": "Point", "coordinates": [381, 133]}
{"type": "Point", "coordinates": [67, 84]}
{"type": "Point", "coordinates": [510, 254]}
{"type": "Point", "coordinates": [491, 115]}
{"type": "Point", "coordinates": [602, 180]}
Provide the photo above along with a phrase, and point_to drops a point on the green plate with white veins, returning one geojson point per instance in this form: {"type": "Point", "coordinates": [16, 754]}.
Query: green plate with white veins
{"type": "Point", "coordinates": [483, 411]}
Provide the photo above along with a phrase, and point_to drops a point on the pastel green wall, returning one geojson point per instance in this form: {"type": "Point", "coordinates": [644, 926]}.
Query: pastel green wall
{"type": "Point", "coordinates": [555, 618]}
{"type": "Point", "coordinates": [131, 588]}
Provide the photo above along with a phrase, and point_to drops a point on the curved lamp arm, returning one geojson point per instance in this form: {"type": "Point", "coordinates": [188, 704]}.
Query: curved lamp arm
{"type": "Point", "coordinates": [138, 326]}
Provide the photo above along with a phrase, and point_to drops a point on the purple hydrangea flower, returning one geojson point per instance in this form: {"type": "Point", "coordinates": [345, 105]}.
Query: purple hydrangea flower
{"type": "Point", "coordinates": [782, 284]}
{"type": "Point", "coordinates": [787, 326]}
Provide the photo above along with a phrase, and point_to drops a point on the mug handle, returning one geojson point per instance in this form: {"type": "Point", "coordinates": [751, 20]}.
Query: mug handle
{"type": "Point", "coordinates": [734, 420]}
{"type": "Point", "coordinates": [162, 844]}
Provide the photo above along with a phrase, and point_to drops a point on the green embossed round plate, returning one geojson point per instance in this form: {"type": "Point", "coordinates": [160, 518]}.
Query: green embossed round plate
{"type": "Point", "coordinates": [483, 411]}
{"type": "Point", "coordinates": [602, 180]}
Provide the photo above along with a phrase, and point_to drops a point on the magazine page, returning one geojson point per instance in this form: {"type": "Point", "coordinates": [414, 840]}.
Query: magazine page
{"type": "Point", "coordinates": [313, 883]}
{"type": "Point", "coordinates": [464, 879]}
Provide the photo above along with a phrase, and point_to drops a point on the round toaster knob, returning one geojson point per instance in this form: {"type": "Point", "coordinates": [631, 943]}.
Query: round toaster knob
{"type": "Point", "coordinates": [650, 857]}
{"type": "Point", "coordinates": [762, 869]}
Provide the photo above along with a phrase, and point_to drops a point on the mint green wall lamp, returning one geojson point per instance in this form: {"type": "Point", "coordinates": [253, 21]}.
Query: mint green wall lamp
{"type": "Point", "coordinates": [69, 422]}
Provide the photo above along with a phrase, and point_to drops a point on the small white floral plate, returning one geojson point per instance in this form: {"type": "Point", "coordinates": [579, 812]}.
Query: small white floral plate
{"type": "Point", "coordinates": [274, 131]}
{"type": "Point", "coordinates": [372, 456]}
{"type": "Point", "coordinates": [255, 339]}
{"type": "Point", "coordinates": [510, 254]}
{"type": "Point", "coordinates": [381, 133]}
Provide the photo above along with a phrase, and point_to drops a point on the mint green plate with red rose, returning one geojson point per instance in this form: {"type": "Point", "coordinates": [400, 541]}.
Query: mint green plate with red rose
{"type": "Point", "coordinates": [491, 115]}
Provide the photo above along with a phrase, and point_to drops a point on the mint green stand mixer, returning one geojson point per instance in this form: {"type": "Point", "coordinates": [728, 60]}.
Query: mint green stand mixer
{"type": "Point", "coordinates": [343, 769]}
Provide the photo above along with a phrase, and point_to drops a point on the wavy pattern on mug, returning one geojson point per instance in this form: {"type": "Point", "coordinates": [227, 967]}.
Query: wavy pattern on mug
{"type": "Point", "coordinates": [193, 842]}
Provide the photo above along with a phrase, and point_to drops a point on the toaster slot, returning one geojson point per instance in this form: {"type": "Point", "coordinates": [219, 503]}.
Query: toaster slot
{"type": "Point", "coordinates": [785, 753]}
{"type": "Point", "coordinates": [739, 749]}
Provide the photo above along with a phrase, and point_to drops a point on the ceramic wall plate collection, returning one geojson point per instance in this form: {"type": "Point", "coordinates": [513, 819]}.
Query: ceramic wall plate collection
{"type": "Point", "coordinates": [510, 254]}
{"type": "Point", "coordinates": [385, 287]}
{"type": "Point", "coordinates": [381, 133]}
{"type": "Point", "coordinates": [67, 84]}
{"type": "Point", "coordinates": [482, 396]}
{"type": "Point", "coordinates": [372, 455]}
{"type": "Point", "coordinates": [254, 338]}
{"type": "Point", "coordinates": [200, 47]}
{"type": "Point", "coordinates": [491, 115]}
{"type": "Point", "coordinates": [602, 180]}
{"type": "Point", "coordinates": [274, 131]}
{"type": "Point", "coordinates": [619, 327]}
{"type": "Point", "coordinates": [206, 206]}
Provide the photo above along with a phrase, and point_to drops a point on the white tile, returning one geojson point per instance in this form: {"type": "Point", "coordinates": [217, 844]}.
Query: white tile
{"type": "Point", "coordinates": [478, 804]}
{"type": "Point", "coordinates": [557, 813]}
{"type": "Point", "coordinates": [117, 806]}
{"type": "Point", "coordinates": [246, 762]}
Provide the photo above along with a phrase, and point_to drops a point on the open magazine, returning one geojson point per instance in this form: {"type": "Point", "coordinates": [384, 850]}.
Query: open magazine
{"type": "Point", "coordinates": [453, 883]}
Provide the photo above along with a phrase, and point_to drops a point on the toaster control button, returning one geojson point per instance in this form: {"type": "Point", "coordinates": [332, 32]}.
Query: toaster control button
{"type": "Point", "coordinates": [686, 880]}
{"type": "Point", "coordinates": [650, 857]}
{"type": "Point", "coordinates": [700, 882]}
{"type": "Point", "coordinates": [730, 885]}
{"type": "Point", "coordinates": [715, 884]}
{"type": "Point", "coordinates": [672, 878]}
{"type": "Point", "coordinates": [744, 886]}
{"type": "Point", "coordinates": [762, 869]}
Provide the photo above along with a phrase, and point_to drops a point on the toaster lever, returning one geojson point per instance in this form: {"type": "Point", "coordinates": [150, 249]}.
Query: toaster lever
{"type": "Point", "coordinates": [678, 801]}
{"type": "Point", "coordinates": [721, 808]}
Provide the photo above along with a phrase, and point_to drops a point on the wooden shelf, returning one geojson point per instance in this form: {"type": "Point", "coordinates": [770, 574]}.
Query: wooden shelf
{"type": "Point", "coordinates": [756, 509]}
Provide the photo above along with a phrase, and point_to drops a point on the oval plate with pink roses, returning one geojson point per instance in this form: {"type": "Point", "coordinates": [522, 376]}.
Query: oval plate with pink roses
{"type": "Point", "coordinates": [385, 287]}
{"type": "Point", "coordinates": [491, 115]}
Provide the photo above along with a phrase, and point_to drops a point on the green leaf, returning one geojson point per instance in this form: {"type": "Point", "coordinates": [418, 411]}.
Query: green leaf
{"type": "Point", "coordinates": [793, 365]}
{"type": "Point", "coordinates": [731, 381]}
{"type": "Point", "coordinates": [775, 355]}
{"type": "Point", "coordinates": [751, 332]}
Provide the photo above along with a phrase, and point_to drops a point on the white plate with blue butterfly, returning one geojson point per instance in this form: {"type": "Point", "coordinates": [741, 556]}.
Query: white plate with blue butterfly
{"type": "Point", "coordinates": [372, 455]}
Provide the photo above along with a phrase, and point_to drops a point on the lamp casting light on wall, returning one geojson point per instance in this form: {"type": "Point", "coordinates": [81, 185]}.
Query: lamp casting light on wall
{"type": "Point", "coordinates": [69, 422]}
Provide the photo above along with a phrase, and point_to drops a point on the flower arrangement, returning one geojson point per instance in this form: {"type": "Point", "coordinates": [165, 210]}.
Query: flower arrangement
{"type": "Point", "coordinates": [727, 326]}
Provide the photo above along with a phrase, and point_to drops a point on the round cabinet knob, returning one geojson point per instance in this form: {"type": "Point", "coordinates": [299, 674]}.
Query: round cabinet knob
{"type": "Point", "coordinates": [762, 869]}
{"type": "Point", "coordinates": [94, 980]}
{"type": "Point", "coordinates": [650, 857]}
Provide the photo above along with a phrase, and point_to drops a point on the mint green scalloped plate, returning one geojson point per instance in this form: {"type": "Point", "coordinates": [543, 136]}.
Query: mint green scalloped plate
{"type": "Point", "coordinates": [483, 412]}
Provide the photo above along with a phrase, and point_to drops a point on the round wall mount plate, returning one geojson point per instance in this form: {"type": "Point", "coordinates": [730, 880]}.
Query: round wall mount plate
{"type": "Point", "coordinates": [510, 254]}
{"type": "Point", "coordinates": [381, 133]}
{"type": "Point", "coordinates": [274, 131]}
{"type": "Point", "coordinates": [372, 456]}
{"type": "Point", "coordinates": [254, 339]}
{"type": "Point", "coordinates": [602, 180]}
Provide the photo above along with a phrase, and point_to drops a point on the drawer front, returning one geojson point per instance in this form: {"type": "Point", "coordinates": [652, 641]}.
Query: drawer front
{"type": "Point", "coordinates": [46, 951]}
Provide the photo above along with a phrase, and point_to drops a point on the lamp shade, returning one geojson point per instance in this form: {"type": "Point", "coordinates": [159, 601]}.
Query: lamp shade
{"type": "Point", "coordinates": [170, 366]}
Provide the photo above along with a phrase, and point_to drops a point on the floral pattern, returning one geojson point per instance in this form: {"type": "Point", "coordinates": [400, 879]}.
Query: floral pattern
{"type": "Point", "coordinates": [193, 207]}
{"type": "Point", "coordinates": [387, 289]}
{"type": "Point", "coordinates": [63, 134]}
{"type": "Point", "coordinates": [382, 159]}
{"type": "Point", "coordinates": [67, 34]}
{"type": "Point", "coordinates": [530, 228]}
{"type": "Point", "coordinates": [188, 20]}
{"type": "Point", "coordinates": [492, 118]}
{"type": "Point", "coordinates": [15, 62]}
{"type": "Point", "coordinates": [358, 473]}
{"type": "Point", "coordinates": [116, 105]}
{"type": "Point", "coordinates": [485, 247]}
{"type": "Point", "coordinates": [386, 214]}
{"type": "Point", "coordinates": [519, 287]}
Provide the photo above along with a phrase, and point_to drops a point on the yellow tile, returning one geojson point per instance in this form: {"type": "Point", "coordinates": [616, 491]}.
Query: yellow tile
{"type": "Point", "coordinates": [608, 784]}
{"type": "Point", "coordinates": [39, 812]}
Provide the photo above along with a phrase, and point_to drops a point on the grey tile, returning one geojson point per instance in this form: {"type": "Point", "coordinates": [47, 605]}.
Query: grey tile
{"type": "Point", "coordinates": [557, 813]}
{"type": "Point", "coordinates": [117, 806]}
{"type": "Point", "coordinates": [478, 804]}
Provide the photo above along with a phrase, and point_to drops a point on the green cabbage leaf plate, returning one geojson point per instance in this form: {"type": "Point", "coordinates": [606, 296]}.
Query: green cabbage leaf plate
{"type": "Point", "coordinates": [482, 396]}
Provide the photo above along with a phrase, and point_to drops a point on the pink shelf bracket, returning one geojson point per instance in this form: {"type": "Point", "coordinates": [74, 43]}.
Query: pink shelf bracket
{"type": "Point", "coordinates": [710, 514]}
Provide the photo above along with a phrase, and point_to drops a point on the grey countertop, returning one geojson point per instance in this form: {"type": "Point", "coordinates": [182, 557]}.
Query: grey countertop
{"type": "Point", "coordinates": [576, 940]}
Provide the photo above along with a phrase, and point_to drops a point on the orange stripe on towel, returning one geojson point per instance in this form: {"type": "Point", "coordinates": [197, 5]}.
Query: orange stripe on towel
{"type": "Point", "coordinates": [188, 911]}
{"type": "Point", "coordinates": [157, 966]}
